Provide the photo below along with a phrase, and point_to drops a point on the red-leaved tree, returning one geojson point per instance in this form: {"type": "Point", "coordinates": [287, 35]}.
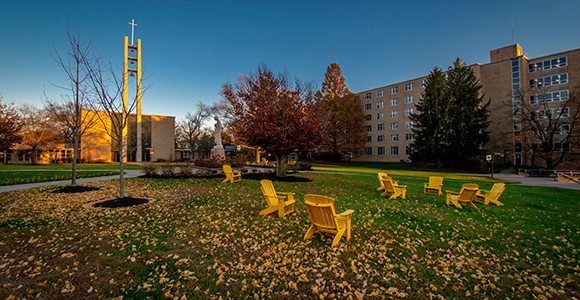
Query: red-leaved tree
{"type": "Point", "coordinates": [270, 112]}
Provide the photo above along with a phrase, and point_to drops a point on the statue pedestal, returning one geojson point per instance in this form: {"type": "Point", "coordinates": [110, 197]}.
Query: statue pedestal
{"type": "Point", "coordinates": [218, 150]}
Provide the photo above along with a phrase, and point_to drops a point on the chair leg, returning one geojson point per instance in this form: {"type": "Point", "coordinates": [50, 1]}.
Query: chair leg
{"type": "Point", "coordinates": [310, 232]}
{"type": "Point", "coordinates": [338, 236]}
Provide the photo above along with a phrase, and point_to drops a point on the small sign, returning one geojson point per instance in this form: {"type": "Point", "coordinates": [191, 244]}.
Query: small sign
{"type": "Point", "coordinates": [239, 147]}
{"type": "Point", "coordinates": [488, 158]}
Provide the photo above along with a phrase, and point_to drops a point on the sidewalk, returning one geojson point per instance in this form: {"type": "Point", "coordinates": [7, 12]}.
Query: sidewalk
{"type": "Point", "coordinates": [7, 188]}
{"type": "Point", "coordinates": [536, 181]}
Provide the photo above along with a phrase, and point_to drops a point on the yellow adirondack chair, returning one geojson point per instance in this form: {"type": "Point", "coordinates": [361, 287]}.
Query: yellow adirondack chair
{"type": "Point", "coordinates": [382, 187]}
{"type": "Point", "coordinates": [230, 174]}
{"type": "Point", "coordinates": [465, 196]}
{"type": "Point", "coordinates": [392, 187]}
{"type": "Point", "coordinates": [275, 201]}
{"type": "Point", "coordinates": [488, 197]}
{"type": "Point", "coordinates": [324, 219]}
{"type": "Point", "coordinates": [434, 186]}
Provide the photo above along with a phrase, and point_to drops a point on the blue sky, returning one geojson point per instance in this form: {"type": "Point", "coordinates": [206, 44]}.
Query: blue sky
{"type": "Point", "coordinates": [190, 48]}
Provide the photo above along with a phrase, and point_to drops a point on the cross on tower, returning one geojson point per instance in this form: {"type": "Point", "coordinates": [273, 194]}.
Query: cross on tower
{"type": "Point", "coordinates": [132, 29]}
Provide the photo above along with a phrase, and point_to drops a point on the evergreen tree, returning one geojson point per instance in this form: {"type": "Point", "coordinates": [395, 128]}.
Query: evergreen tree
{"type": "Point", "coordinates": [430, 120]}
{"type": "Point", "coordinates": [452, 119]}
{"type": "Point", "coordinates": [468, 122]}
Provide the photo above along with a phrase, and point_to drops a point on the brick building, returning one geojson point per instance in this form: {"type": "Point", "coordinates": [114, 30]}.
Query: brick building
{"type": "Point", "coordinates": [509, 74]}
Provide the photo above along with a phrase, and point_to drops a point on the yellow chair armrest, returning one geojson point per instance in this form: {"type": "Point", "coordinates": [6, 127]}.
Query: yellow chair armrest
{"type": "Point", "coordinates": [425, 184]}
{"type": "Point", "coordinates": [346, 213]}
{"type": "Point", "coordinates": [451, 192]}
{"type": "Point", "coordinates": [284, 193]}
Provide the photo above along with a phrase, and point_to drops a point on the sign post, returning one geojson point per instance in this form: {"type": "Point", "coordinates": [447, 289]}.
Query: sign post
{"type": "Point", "coordinates": [489, 159]}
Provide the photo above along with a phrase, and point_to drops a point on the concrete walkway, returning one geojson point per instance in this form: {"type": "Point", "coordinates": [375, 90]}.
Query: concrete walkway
{"type": "Point", "coordinates": [537, 181]}
{"type": "Point", "coordinates": [16, 187]}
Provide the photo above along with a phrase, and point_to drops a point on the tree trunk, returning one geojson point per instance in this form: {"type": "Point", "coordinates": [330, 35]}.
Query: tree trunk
{"type": "Point", "coordinates": [121, 175]}
{"type": "Point", "coordinates": [281, 165]}
{"type": "Point", "coordinates": [74, 161]}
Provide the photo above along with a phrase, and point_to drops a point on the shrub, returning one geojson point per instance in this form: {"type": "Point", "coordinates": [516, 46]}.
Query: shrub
{"type": "Point", "coordinates": [149, 169]}
{"type": "Point", "coordinates": [238, 161]}
{"type": "Point", "coordinates": [186, 169]}
{"type": "Point", "coordinates": [167, 169]}
{"type": "Point", "coordinates": [161, 160]}
{"type": "Point", "coordinates": [303, 166]}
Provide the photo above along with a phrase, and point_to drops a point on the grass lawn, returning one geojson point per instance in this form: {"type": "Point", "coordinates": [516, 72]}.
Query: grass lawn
{"type": "Point", "coordinates": [103, 166]}
{"type": "Point", "coordinates": [201, 238]}
{"type": "Point", "coordinates": [20, 177]}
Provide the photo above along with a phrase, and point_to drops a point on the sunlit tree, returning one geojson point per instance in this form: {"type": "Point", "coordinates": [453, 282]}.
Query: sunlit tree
{"type": "Point", "coordinates": [273, 113]}
{"type": "Point", "coordinates": [343, 129]}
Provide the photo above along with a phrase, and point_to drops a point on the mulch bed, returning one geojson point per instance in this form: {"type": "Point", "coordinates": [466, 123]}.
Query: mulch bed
{"type": "Point", "coordinates": [75, 189]}
{"type": "Point", "coordinates": [121, 202]}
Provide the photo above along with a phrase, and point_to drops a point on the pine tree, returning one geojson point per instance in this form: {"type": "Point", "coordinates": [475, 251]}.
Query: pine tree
{"type": "Point", "coordinates": [468, 122]}
{"type": "Point", "coordinates": [452, 119]}
{"type": "Point", "coordinates": [430, 120]}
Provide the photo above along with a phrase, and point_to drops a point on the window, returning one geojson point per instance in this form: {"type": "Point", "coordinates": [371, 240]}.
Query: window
{"type": "Point", "coordinates": [408, 150]}
{"type": "Point", "coordinates": [380, 104]}
{"type": "Point", "coordinates": [408, 99]}
{"type": "Point", "coordinates": [408, 111]}
{"type": "Point", "coordinates": [423, 83]}
{"type": "Point", "coordinates": [394, 102]}
{"type": "Point", "coordinates": [394, 137]}
{"type": "Point", "coordinates": [368, 96]}
{"type": "Point", "coordinates": [549, 97]}
{"type": "Point", "coordinates": [379, 93]}
{"type": "Point", "coordinates": [380, 138]}
{"type": "Point", "coordinates": [549, 80]}
{"type": "Point", "coordinates": [565, 129]}
{"type": "Point", "coordinates": [381, 151]}
{"type": "Point", "coordinates": [368, 151]}
{"type": "Point", "coordinates": [409, 137]}
{"type": "Point", "coordinates": [380, 127]}
{"type": "Point", "coordinates": [380, 116]}
{"type": "Point", "coordinates": [368, 106]}
{"type": "Point", "coordinates": [408, 87]}
{"type": "Point", "coordinates": [394, 114]}
{"type": "Point", "coordinates": [408, 124]}
{"type": "Point", "coordinates": [368, 117]}
{"type": "Point", "coordinates": [394, 126]}
{"type": "Point", "coordinates": [548, 64]}
{"type": "Point", "coordinates": [394, 90]}
{"type": "Point", "coordinates": [395, 150]}
{"type": "Point", "coordinates": [369, 139]}
{"type": "Point", "coordinates": [368, 128]}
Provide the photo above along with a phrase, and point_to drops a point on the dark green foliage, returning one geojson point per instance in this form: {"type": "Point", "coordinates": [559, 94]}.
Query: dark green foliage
{"type": "Point", "coordinates": [452, 119]}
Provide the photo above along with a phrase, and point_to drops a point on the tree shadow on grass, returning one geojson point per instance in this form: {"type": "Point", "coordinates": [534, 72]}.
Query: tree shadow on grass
{"type": "Point", "coordinates": [75, 189]}
{"type": "Point", "coordinates": [121, 202]}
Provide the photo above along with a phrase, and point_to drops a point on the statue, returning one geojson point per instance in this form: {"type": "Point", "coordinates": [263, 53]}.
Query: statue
{"type": "Point", "coordinates": [218, 132]}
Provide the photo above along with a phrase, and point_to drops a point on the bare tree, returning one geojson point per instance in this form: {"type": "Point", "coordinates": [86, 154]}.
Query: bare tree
{"type": "Point", "coordinates": [9, 126]}
{"type": "Point", "coordinates": [68, 111]}
{"type": "Point", "coordinates": [39, 130]}
{"type": "Point", "coordinates": [110, 108]}
{"type": "Point", "coordinates": [190, 129]}
{"type": "Point", "coordinates": [549, 123]}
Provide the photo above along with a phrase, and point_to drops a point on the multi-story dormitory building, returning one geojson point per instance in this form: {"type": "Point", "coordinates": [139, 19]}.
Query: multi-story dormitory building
{"type": "Point", "coordinates": [508, 73]}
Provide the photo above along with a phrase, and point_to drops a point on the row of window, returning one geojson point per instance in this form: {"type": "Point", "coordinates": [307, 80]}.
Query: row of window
{"type": "Point", "coordinates": [548, 64]}
{"type": "Point", "coordinates": [395, 90]}
{"type": "Point", "coordinates": [562, 112]}
{"type": "Point", "coordinates": [394, 102]}
{"type": "Point", "coordinates": [394, 126]}
{"type": "Point", "coordinates": [394, 138]}
{"type": "Point", "coordinates": [394, 151]}
{"type": "Point", "coordinates": [549, 80]}
{"type": "Point", "coordinates": [549, 97]}
{"type": "Point", "coordinates": [557, 147]}
{"type": "Point", "coordinates": [394, 114]}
